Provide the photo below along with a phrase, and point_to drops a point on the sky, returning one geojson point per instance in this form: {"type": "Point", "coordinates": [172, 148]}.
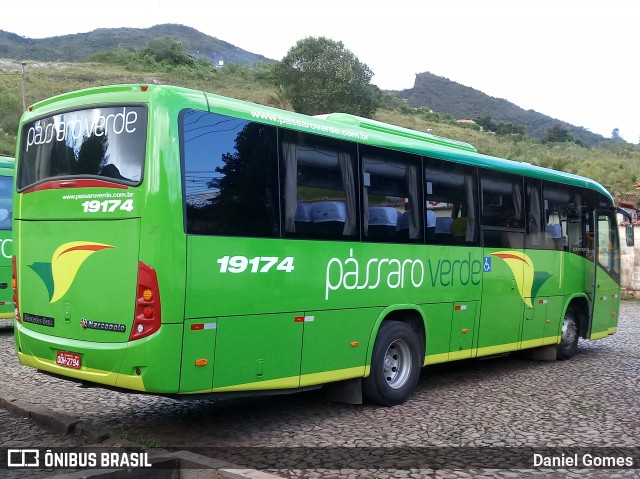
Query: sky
{"type": "Point", "coordinates": [574, 60]}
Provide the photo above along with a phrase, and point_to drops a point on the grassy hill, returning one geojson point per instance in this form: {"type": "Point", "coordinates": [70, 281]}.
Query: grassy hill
{"type": "Point", "coordinates": [612, 164]}
{"type": "Point", "coordinates": [77, 47]}
{"type": "Point", "coordinates": [445, 96]}
{"type": "Point", "coordinates": [431, 91]}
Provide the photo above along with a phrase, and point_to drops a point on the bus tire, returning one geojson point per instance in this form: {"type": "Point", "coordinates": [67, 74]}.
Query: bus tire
{"type": "Point", "coordinates": [395, 365]}
{"type": "Point", "coordinates": [568, 336]}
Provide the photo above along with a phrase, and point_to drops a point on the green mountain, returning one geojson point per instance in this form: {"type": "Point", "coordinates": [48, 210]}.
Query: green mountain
{"type": "Point", "coordinates": [462, 102]}
{"type": "Point", "coordinates": [76, 47]}
{"type": "Point", "coordinates": [434, 92]}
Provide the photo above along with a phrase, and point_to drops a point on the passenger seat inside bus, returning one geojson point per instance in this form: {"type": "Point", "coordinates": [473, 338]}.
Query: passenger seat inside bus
{"type": "Point", "coordinates": [303, 219]}
{"type": "Point", "coordinates": [328, 219]}
{"type": "Point", "coordinates": [382, 223]}
{"type": "Point", "coordinates": [402, 226]}
{"type": "Point", "coordinates": [443, 230]}
{"type": "Point", "coordinates": [431, 226]}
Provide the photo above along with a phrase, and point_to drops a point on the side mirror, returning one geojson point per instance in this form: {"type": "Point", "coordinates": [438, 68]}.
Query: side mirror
{"type": "Point", "coordinates": [628, 232]}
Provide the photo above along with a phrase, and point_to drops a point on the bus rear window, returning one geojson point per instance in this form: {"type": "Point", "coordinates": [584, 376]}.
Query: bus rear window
{"type": "Point", "coordinates": [106, 143]}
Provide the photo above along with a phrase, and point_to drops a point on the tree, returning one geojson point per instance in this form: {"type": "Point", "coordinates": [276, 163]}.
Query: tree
{"type": "Point", "coordinates": [167, 50]}
{"type": "Point", "coordinates": [558, 133]}
{"type": "Point", "coordinates": [486, 122]}
{"type": "Point", "coordinates": [323, 76]}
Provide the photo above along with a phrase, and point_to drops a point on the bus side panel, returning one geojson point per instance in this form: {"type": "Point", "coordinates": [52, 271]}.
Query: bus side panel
{"type": "Point", "coordinates": [335, 343]}
{"type": "Point", "coordinates": [542, 317]}
{"type": "Point", "coordinates": [235, 276]}
{"type": "Point", "coordinates": [258, 352]}
{"type": "Point", "coordinates": [317, 296]}
{"type": "Point", "coordinates": [198, 348]}
{"type": "Point", "coordinates": [577, 274]}
{"type": "Point", "coordinates": [606, 311]}
{"type": "Point", "coordinates": [463, 330]}
{"type": "Point", "coordinates": [503, 303]}
{"type": "Point", "coordinates": [553, 320]}
{"type": "Point", "coordinates": [438, 319]}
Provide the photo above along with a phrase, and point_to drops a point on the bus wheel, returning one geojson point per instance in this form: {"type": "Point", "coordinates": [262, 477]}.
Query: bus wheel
{"type": "Point", "coordinates": [569, 337]}
{"type": "Point", "coordinates": [395, 365]}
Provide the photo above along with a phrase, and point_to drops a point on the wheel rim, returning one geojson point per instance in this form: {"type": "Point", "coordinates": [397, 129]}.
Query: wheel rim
{"type": "Point", "coordinates": [397, 364]}
{"type": "Point", "coordinates": [569, 332]}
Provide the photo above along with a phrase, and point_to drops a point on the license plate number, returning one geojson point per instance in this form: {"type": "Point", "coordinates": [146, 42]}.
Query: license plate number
{"type": "Point", "coordinates": [68, 360]}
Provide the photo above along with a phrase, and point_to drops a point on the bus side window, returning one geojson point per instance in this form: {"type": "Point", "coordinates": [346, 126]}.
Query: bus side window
{"type": "Point", "coordinates": [6, 191]}
{"type": "Point", "coordinates": [391, 196]}
{"type": "Point", "coordinates": [502, 201]}
{"type": "Point", "coordinates": [535, 235]}
{"type": "Point", "coordinates": [230, 176]}
{"type": "Point", "coordinates": [318, 178]}
{"type": "Point", "coordinates": [451, 203]}
{"type": "Point", "coordinates": [502, 210]}
{"type": "Point", "coordinates": [555, 216]}
{"type": "Point", "coordinates": [567, 216]}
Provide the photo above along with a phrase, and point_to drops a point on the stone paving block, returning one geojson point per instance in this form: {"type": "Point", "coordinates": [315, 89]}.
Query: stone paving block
{"type": "Point", "coordinates": [190, 462]}
{"type": "Point", "coordinates": [11, 406]}
{"type": "Point", "coordinates": [52, 420]}
{"type": "Point", "coordinates": [91, 432]}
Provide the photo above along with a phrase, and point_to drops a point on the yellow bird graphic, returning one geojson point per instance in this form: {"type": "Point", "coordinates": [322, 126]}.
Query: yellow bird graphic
{"type": "Point", "coordinates": [522, 268]}
{"type": "Point", "coordinates": [66, 262]}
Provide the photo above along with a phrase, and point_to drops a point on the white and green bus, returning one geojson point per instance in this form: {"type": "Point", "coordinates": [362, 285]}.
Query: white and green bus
{"type": "Point", "coordinates": [178, 242]}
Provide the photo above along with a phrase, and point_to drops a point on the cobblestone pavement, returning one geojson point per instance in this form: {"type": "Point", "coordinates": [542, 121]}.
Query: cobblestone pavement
{"type": "Point", "coordinates": [18, 432]}
{"type": "Point", "coordinates": [499, 403]}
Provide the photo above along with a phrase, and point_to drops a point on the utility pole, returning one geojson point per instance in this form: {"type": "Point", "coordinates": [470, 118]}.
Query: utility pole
{"type": "Point", "coordinates": [24, 103]}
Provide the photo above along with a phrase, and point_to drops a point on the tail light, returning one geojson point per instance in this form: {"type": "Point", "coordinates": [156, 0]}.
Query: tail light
{"type": "Point", "coordinates": [148, 317]}
{"type": "Point", "coordinates": [14, 286]}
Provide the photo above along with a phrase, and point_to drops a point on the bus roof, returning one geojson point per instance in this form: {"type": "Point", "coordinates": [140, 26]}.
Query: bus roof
{"type": "Point", "coordinates": [396, 130]}
{"type": "Point", "coordinates": [336, 125]}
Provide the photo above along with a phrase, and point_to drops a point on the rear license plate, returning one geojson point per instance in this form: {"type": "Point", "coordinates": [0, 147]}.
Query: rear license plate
{"type": "Point", "coordinates": [68, 360]}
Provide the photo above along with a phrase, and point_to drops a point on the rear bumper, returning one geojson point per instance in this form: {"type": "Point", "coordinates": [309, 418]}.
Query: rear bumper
{"type": "Point", "coordinates": [151, 364]}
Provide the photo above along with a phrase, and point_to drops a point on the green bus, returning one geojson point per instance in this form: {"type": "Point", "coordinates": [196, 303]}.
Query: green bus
{"type": "Point", "coordinates": [6, 250]}
{"type": "Point", "coordinates": [178, 242]}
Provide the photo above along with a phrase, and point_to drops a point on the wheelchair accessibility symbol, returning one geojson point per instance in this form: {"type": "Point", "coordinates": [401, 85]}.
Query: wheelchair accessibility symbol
{"type": "Point", "coordinates": [487, 264]}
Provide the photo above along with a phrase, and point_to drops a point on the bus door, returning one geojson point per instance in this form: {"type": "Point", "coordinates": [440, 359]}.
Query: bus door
{"type": "Point", "coordinates": [603, 279]}
{"type": "Point", "coordinates": [502, 305]}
